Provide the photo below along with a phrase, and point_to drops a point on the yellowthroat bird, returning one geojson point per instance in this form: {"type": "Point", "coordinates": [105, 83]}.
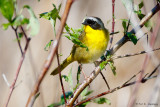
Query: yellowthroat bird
{"type": "Point", "coordinates": [95, 36]}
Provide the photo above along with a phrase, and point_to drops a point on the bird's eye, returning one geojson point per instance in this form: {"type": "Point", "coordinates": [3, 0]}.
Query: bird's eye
{"type": "Point", "coordinates": [90, 21]}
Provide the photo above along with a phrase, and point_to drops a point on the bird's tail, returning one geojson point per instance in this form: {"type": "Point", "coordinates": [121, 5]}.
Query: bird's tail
{"type": "Point", "coordinates": [65, 63]}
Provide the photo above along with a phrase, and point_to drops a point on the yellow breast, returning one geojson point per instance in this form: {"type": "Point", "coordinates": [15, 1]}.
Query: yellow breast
{"type": "Point", "coordinates": [96, 41]}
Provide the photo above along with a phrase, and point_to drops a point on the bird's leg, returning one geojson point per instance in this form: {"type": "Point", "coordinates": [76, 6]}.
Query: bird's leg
{"type": "Point", "coordinates": [80, 66]}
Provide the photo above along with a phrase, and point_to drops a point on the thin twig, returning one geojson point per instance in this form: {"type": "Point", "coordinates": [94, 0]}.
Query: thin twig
{"type": "Point", "coordinates": [49, 60]}
{"type": "Point", "coordinates": [131, 78]}
{"type": "Point", "coordinates": [25, 35]}
{"type": "Point", "coordinates": [60, 78]}
{"type": "Point", "coordinates": [18, 41]}
{"type": "Point", "coordinates": [126, 84]}
{"type": "Point", "coordinates": [134, 54]}
{"type": "Point", "coordinates": [119, 44]}
{"type": "Point", "coordinates": [113, 23]}
{"type": "Point", "coordinates": [105, 80]}
{"type": "Point", "coordinates": [17, 73]}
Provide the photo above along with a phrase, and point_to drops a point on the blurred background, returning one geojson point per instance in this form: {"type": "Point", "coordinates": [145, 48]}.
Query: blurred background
{"type": "Point", "coordinates": [50, 90]}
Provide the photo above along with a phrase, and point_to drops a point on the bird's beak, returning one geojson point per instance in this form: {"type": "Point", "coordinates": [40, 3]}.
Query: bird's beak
{"type": "Point", "coordinates": [84, 23]}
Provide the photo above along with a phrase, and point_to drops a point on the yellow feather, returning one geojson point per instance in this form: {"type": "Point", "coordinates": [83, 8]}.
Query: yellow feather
{"type": "Point", "coordinates": [95, 40]}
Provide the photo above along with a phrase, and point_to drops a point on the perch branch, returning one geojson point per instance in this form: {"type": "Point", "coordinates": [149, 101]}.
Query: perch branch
{"type": "Point", "coordinates": [126, 84]}
{"type": "Point", "coordinates": [49, 60]}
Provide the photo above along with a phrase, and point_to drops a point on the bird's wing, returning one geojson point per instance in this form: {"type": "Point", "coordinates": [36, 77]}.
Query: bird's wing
{"type": "Point", "coordinates": [75, 46]}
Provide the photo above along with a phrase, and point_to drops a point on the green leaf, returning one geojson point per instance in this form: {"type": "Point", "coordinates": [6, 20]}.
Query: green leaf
{"type": "Point", "coordinates": [7, 9]}
{"type": "Point", "coordinates": [113, 68]}
{"type": "Point", "coordinates": [140, 15]}
{"type": "Point", "coordinates": [62, 102]}
{"type": "Point", "coordinates": [25, 21]}
{"type": "Point", "coordinates": [6, 25]}
{"type": "Point", "coordinates": [141, 5]}
{"type": "Point", "coordinates": [148, 25]}
{"type": "Point", "coordinates": [74, 35]}
{"type": "Point", "coordinates": [37, 95]}
{"type": "Point", "coordinates": [65, 78]}
{"type": "Point", "coordinates": [102, 101]}
{"type": "Point", "coordinates": [45, 15]}
{"type": "Point", "coordinates": [89, 92]}
{"type": "Point", "coordinates": [67, 28]}
{"type": "Point", "coordinates": [20, 20]}
{"type": "Point", "coordinates": [52, 16]}
{"type": "Point", "coordinates": [78, 74]}
{"type": "Point", "coordinates": [83, 93]}
{"type": "Point", "coordinates": [67, 94]}
{"type": "Point", "coordinates": [84, 104]}
{"type": "Point", "coordinates": [55, 104]}
{"type": "Point", "coordinates": [132, 37]}
{"type": "Point", "coordinates": [48, 45]}
{"type": "Point", "coordinates": [60, 54]}
{"type": "Point", "coordinates": [55, 12]}
{"type": "Point", "coordinates": [124, 25]}
{"type": "Point", "coordinates": [33, 21]}
{"type": "Point", "coordinates": [77, 85]}
{"type": "Point", "coordinates": [103, 64]}
{"type": "Point", "coordinates": [20, 35]}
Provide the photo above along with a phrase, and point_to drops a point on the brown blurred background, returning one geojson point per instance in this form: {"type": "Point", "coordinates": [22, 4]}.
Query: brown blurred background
{"type": "Point", "coordinates": [50, 90]}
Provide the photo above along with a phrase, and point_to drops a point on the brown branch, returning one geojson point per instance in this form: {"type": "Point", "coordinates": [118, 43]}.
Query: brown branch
{"type": "Point", "coordinates": [105, 80]}
{"type": "Point", "coordinates": [126, 84]}
{"type": "Point", "coordinates": [113, 23]}
{"type": "Point", "coordinates": [18, 70]}
{"type": "Point", "coordinates": [134, 54]}
{"type": "Point", "coordinates": [60, 77]}
{"type": "Point", "coordinates": [119, 44]}
{"type": "Point", "coordinates": [25, 35]}
{"type": "Point", "coordinates": [49, 60]}
{"type": "Point", "coordinates": [18, 41]}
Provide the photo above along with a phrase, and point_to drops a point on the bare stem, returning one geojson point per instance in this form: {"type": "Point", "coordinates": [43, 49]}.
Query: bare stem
{"type": "Point", "coordinates": [60, 78]}
{"type": "Point", "coordinates": [25, 35]}
{"type": "Point", "coordinates": [134, 54]}
{"type": "Point", "coordinates": [113, 23]}
{"type": "Point", "coordinates": [49, 60]}
{"type": "Point", "coordinates": [18, 41]}
{"type": "Point", "coordinates": [18, 70]}
{"type": "Point", "coordinates": [105, 80]}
